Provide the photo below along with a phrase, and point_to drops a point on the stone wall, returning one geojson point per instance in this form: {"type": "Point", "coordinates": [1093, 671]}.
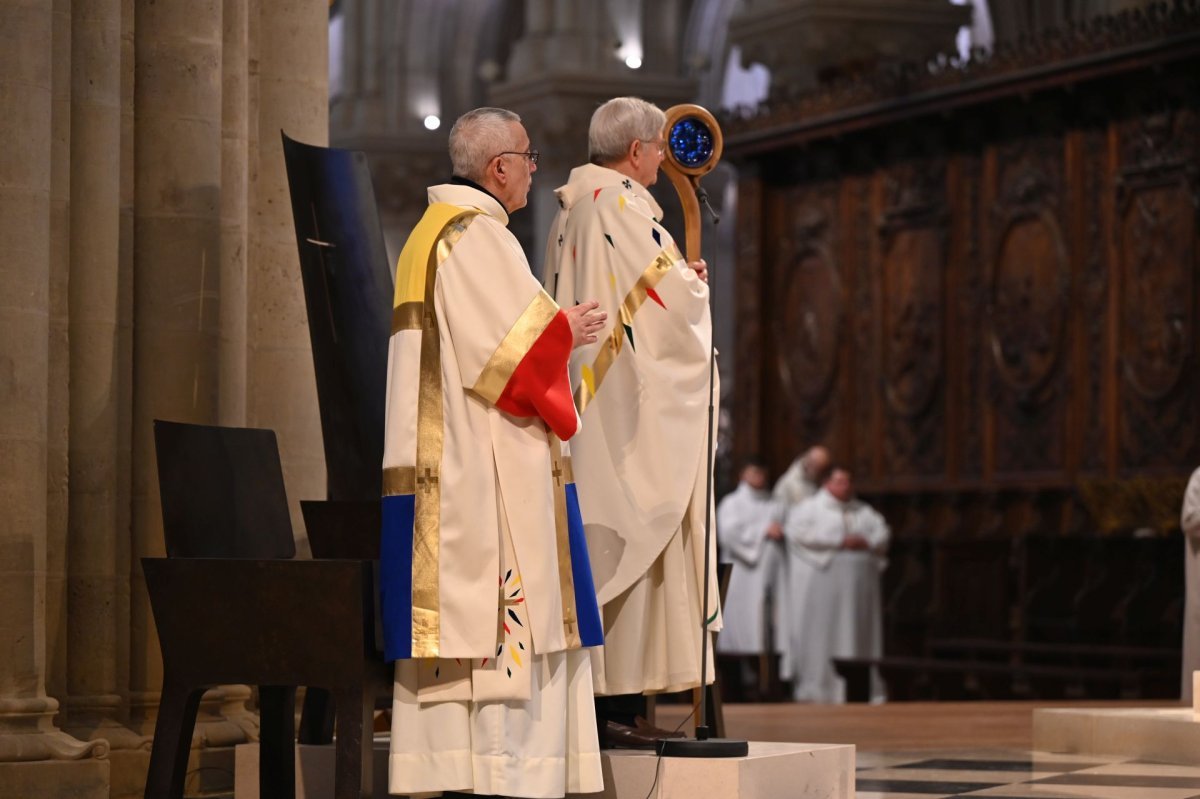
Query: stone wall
{"type": "Point", "coordinates": [150, 272]}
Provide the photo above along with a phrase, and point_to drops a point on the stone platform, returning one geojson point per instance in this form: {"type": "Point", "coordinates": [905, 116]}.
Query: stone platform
{"type": "Point", "coordinates": [1162, 734]}
{"type": "Point", "coordinates": [770, 771]}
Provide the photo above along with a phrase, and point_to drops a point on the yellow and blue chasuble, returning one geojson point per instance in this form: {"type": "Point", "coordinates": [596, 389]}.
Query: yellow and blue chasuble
{"type": "Point", "coordinates": [525, 377]}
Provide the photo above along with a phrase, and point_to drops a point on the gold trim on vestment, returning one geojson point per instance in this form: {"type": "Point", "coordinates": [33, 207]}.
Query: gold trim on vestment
{"type": "Point", "coordinates": [559, 469]}
{"type": "Point", "coordinates": [426, 601]}
{"type": "Point", "coordinates": [399, 480]}
{"type": "Point", "coordinates": [611, 347]}
{"type": "Point", "coordinates": [532, 322]}
{"type": "Point", "coordinates": [407, 316]}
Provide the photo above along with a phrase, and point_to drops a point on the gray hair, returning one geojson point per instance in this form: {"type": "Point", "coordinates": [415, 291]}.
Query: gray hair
{"type": "Point", "coordinates": [479, 136]}
{"type": "Point", "coordinates": [617, 123]}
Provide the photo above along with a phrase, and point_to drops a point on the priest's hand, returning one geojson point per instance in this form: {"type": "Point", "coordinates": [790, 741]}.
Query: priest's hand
{"type": "Point", "coordinates": [775, 531]}
{"type": "Point", "coordinates": [855, 542]}
{"type": "Point", "coordinates": [700, 267]}
{"type": "Point", "coordinates": [585, 321]}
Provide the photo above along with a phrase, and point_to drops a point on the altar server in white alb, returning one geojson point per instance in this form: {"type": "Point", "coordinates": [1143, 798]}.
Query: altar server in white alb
{"type": "Point", "coordinates": [486, 591]}
{"type": "Point", "coordinates": [642, 392]}
{"type": "Point", "coordinates": [837, 546]}
{"type": "Point", "coordinates": [750, 532]}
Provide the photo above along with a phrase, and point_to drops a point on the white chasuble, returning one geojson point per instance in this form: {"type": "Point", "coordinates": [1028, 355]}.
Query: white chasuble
{"type": "Point", "coordinates": [642, 393]}
{"type": "Point", "coordinates": [486, 593]}
{"type": "Point", "coordinates": [742, 521]}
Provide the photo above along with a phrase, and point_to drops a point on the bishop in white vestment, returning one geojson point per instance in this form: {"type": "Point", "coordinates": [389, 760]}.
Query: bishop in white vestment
{"type": "Point", "coordinates": [836, 546]}
{"type": "Point", "coordinates": [486, 592]}
{"type": "Point", "coordinates": [642, 393]}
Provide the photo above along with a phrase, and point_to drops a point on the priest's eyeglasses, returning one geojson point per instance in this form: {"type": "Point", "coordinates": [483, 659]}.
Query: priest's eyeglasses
{"type": "Point", "coordinates": [532, 155]}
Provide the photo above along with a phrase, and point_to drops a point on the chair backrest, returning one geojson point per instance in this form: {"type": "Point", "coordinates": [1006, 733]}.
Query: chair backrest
{"type": "Point", "coordinates": [348, 292]}
{"type": "Point", "coordinates": [346, 529]}
{"type": "Point", "coordinates": [222, 492]}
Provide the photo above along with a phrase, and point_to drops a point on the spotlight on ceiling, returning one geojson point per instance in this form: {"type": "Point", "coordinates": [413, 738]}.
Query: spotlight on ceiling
{"type": "Point", "coordinates": [633, 61]}
{"type": "Point", "coordinates": [432, 122]}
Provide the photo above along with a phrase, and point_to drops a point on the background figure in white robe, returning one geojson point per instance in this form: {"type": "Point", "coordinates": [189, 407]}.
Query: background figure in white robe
{"type": "Point", "coordinates": [803, 477]}
{"type": "Point", "coordinates": [643, 394]}
{"type": "Point", "coordinates": [836, 546]}
{"type": "Point", "coordinates": [486, 593]}
{"type": "Point", "coordinates": [800, 481]}
{"type": "Point", "coordinates": [750, 534]}
{"type": "Point", "coordinates": [1190, 522]}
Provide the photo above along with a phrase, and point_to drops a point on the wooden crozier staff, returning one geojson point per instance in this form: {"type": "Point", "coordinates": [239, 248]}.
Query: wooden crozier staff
{"type": "Point", "coordinates": [694, 144]}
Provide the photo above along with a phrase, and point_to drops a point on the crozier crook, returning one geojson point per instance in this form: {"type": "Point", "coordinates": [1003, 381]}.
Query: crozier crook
{"type": "Point", "coordinates": [694, 144]}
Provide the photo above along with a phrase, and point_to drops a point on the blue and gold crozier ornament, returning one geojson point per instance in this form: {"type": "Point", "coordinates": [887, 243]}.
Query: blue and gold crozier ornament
{"type": "Point", "coordinates": [694, 145]}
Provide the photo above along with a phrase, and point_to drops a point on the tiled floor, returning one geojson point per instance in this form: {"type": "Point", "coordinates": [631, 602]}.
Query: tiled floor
{"type": "Point", "coordinates": [1016, 774]}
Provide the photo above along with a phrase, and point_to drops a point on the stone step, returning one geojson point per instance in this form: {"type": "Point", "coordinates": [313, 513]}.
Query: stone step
{"type": "Point", "coordinates": [770, 771]}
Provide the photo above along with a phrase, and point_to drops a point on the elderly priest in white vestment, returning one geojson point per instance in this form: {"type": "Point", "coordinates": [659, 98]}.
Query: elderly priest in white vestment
{"type": "Point", "coordinates": [836, 552]}
{"type": "Point", "coordinates": [750, 534]}
{"type": "Point", "coordinates": [642, 392]}
{"type": "Point", "coordinates": [487, 596]}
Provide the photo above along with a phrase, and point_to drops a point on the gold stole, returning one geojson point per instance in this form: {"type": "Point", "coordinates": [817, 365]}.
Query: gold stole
{"type": "Point", "coordinates": [427, 247]}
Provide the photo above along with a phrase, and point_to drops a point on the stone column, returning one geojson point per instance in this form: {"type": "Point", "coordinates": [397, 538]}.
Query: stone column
{"type": "Point", "coordinates": [57, 393]}
{"type": "Point", "coordinates": [27, 734]}
{"type": "Point", "coordinates": [235, 111]}
{"type": "Point", "coordinates": [177, 263]}
{"type": "Point", "coordinates": [560, 71]}
{"type": "Point", "coordinates": [128, 765]}
{"type": "Point", "coordinates": [798, 39]}
{"type": "Point", "coordinates": [95, 682]}
{"type": "Point", "coordinates": [281, 388]}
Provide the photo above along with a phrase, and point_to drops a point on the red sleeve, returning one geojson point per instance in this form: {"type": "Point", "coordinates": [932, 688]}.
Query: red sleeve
{"type": "Point", "coordinates": [540, 386]}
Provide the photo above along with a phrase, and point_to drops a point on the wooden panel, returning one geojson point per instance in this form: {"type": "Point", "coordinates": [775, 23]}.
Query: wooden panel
{"type": "Point", "coordinates": [981, 289]}
{"type": "Point", "coordinates": [912, 325]}
{"type": "Point", "coordinates": [1027, 287]}
{"type": "Point", "coordinates": [804, 323]}
{"type": "Point", "coordinates": [996, 299]}
{"type": "Point", "coordinates": [1156, 235]}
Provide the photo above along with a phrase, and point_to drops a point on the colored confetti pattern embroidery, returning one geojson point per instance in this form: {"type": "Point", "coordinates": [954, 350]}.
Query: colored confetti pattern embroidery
{"type": "Point", "coordinates": [511, 651]}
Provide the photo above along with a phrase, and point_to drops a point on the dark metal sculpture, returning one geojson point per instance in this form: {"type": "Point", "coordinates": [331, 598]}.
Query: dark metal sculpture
{"type": "Point", "coordinates": [348, 293]}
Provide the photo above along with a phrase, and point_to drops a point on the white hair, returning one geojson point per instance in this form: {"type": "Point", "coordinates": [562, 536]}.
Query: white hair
{"type": "Point", "coordinates": [479, 136]}
{"type": "Point", "coordinates": [618, 123]}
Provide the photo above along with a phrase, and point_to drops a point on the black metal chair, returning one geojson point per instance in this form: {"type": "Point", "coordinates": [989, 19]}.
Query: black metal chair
{"type": "Point", "coordinates": [231, 606]}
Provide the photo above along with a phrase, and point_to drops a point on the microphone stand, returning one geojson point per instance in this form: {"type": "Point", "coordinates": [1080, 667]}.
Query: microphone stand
{"type": "Point", "coordinates": [703, 745]}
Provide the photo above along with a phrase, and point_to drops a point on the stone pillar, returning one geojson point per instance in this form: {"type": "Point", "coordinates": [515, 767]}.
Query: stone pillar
{"type": "Point", "coordinates": [57, 392]}
{"type": "Point", "coordinates": [128, 765]}
{"type": "Point", "coordinates": [281, 391]}
{"type": "Point", "coordinates": [235, 110]}
{"type": "Point", "coordinates": [399, 177]}
{"type": "Point", "coordinates": [560, 71]}
{"type": "Point", "coordinates": [28, 739]}
{"type": "Point", "coordinates": [177, 264]}
{"type": "Point", "coordinates": [95, 680]}
{"type": "Point", "coordinates": [798, 40]}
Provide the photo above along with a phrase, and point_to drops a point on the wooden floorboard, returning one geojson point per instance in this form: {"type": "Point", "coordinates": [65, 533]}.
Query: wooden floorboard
{"type": "Point", "coordinates": [889, 727]}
